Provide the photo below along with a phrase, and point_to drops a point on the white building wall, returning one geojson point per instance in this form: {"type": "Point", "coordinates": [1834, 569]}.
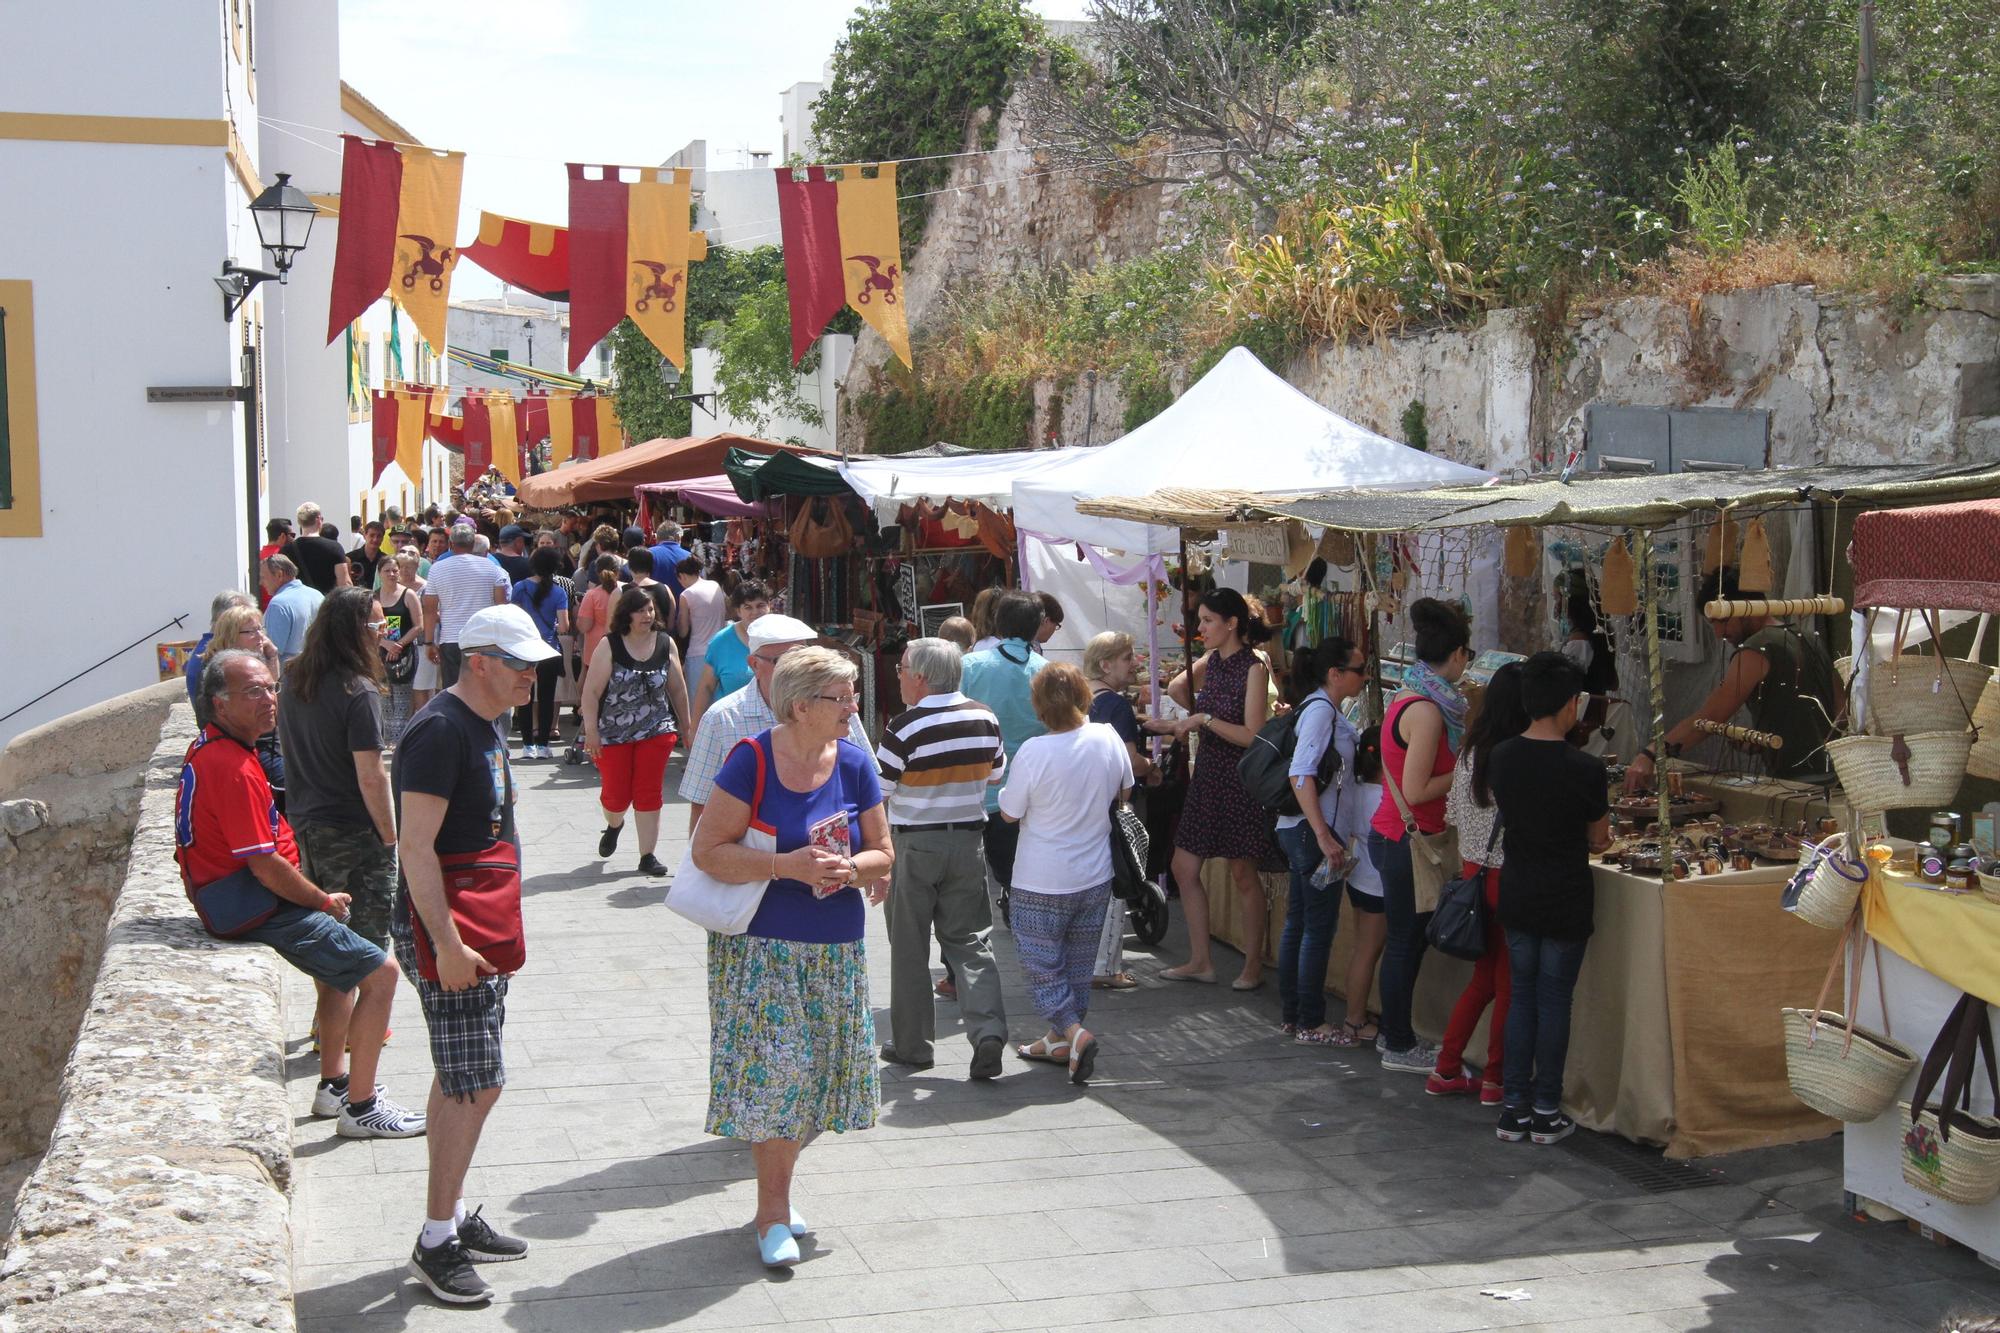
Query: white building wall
{"type": "Point", "coordinates": [795, 118]}
{"type": "Point", "coordinates": [123, 300]}
{"type": "Point", "coordinates": [298, 84]}
{"type": "Point", "coordinates": [821, 388]}
{"type": "Point", "coordinates": [484, 327]}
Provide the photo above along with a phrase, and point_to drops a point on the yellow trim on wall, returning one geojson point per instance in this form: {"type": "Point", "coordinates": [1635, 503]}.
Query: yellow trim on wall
{"type": "Point", "coordinates": [373, 118]}
{"type": "Point", "coordinates": [24, 519]}
{"type": "Point", "coordinates": [239, 162]}
{"type": "Point", "coordinates": [159, 131]}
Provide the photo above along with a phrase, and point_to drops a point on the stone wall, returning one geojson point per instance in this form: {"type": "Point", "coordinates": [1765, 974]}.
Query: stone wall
{"type": "Point", "coordinates": [69, 798]}
{"type": "Point", "coordinates": [160, 1202]}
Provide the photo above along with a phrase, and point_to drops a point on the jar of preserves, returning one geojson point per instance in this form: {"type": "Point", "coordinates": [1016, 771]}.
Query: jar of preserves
{"type": "Point", "coordinates": [1930, 863]}
{"type": "Point", "coordinates": [1944, 829]}
{"type": "Point", "coordinates": [1958, 873]}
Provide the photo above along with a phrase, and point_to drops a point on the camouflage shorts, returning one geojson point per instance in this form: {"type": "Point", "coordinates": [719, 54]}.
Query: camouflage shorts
{"type": "Point", "coordinates": [352, 861]}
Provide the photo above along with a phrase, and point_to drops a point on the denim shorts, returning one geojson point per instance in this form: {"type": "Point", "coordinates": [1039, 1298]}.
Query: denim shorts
{"type": "Point", "coordinates": [319, 946]}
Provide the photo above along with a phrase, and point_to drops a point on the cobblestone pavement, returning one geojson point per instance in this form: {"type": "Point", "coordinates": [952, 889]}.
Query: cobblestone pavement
{"type": "Point", "coordinates": [1213, 1177]}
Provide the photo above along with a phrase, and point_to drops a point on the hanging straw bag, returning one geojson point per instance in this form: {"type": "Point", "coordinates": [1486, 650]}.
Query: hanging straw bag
{"type": "Point", "coordinates": [1892, 772]}
{"type": "Point", "coordinates": [1918, 692]}
{"type": "Point", "coordinates": [1949, 1151]}
{"type": "Point", "coordinates": [1826, 885]}
{"type": "Point", "coordinates": [1857, 1079]}
{"type": "Point", "coordinates": [1434, 859]}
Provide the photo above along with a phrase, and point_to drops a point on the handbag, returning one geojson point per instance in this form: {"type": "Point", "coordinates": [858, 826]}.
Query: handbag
{"type": "Point", "coordinates": [402, 669]}
{"type": "Point", "coordinates": [483, 891]}
{"type": "Point", "coordinates": [1265, 768]}
{"type": "Point", "coordinates": [821, 530]}
{"type": "Point", "coordinates": [234, 905]}
{"type": "Point", "coordinates": [1130, 846]}
{"type": "Point", "coordinates": [1458, 925]}
{"type": "Point", "coordinates": [1433, 856]}
{"type": "Point", "coordinates": [1948, 1151]}
{"type": "Point", "coordinates": [1855, 1080]}
{"type": "Point", "coordinates": [718, 906]}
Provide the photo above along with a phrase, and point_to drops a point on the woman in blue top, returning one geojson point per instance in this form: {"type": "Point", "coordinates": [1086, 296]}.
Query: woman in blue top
{"type": "Point", "coordinates": [548, 606]}
{"type": "Point", "coordinates": [791, 1036]}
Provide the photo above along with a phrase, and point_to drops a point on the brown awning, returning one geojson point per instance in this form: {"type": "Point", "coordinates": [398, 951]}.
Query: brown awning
{"type": "Point", "coordinates": [613, 476]}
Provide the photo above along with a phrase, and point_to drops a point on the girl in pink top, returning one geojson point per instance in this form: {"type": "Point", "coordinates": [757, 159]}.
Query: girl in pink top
{"type": "Point", "coordinates": [593, 616]}
{"type": "Point", "coordinates": [1420, 738]}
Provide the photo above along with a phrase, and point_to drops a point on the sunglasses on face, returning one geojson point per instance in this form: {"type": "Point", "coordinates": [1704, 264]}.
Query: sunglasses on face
{"type": "Point", "coordinates": [508, 660]}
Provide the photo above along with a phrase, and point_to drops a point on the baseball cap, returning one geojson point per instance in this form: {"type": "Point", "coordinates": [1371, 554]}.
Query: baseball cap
{"type": "Point", "coordinates": [511, 531]}
{"type": "Point", "coordinates": [766, 631]}
{"type": "Point", "coordinates": [634, 536]}
{"type": "Point", "coordinates": [508, 629]}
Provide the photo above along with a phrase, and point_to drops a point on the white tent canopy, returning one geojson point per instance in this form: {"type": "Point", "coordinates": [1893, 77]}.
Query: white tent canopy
{"type": "Point", "coordinates": [890, 483]}
{"type": "Point", "coordinates": [1239, 428]}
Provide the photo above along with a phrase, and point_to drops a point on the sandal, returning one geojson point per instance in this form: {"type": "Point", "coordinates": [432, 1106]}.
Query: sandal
{"type": "Point", "coordinates": [1362, 1035]}
{"type": "Point", "coordinates": [1083, 1060]}
{"type": "Point", "coordinates": [1116, 981]}
{"type": "Point", "coordinates": [1043, 1050]}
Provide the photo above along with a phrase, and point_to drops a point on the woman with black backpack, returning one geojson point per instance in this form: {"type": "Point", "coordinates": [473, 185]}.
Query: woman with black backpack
{"type": "Point", "coordinates": [1321, 778]}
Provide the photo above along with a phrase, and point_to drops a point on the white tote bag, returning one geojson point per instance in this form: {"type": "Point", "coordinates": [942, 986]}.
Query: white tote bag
{"type": "Point", "coordinates": [715, 905]}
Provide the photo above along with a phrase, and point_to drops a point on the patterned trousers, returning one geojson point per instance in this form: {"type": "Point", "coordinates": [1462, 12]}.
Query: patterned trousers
{"type": "Point", "coordinates": [1055, 935]}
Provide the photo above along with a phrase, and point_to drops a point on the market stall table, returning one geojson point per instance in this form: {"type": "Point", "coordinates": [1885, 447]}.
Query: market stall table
{"type": "Point", "coordinates": [1675, 1037]}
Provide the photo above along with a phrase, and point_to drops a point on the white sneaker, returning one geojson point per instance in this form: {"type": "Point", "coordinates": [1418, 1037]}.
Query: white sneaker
{"type": "Point", "coordinates": [384, 1120]}
{"type": "Point", "coordinates": [327, 1102]}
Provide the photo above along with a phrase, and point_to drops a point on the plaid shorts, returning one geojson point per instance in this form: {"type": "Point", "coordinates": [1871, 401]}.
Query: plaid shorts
{"type": "Point", "coordinates": [465, 1025]}
{"type": "Point", "coordinates": [352, 861]}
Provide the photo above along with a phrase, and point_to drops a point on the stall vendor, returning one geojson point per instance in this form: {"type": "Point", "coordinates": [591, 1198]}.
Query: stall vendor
{"type": "Point", "coordinates": [1785, 676]}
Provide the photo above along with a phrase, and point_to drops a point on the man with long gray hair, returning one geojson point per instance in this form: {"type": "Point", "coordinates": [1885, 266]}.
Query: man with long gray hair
{"type": "Point", "coordinates": [937, 759]}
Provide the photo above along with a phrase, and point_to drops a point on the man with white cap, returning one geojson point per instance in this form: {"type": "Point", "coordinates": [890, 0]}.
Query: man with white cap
{"type": "Point", "coordinates": [455, 800]}
{"type": "Point", "coordinates": [739, 716]}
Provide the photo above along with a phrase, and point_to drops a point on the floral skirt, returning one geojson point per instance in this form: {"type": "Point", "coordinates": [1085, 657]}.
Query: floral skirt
{"type": "Point", "coordinates": [791, 1039]}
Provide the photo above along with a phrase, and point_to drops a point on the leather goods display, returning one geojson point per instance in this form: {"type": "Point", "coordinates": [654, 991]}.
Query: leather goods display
{"type": "Point", "coordinates": [821, 529]}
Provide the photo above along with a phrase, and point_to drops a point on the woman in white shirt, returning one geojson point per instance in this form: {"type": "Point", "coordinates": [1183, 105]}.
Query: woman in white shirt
{"type": "Point", "coordinates": [1060, 788]}
{"type": "Point", "coordinates": [1322, 778]}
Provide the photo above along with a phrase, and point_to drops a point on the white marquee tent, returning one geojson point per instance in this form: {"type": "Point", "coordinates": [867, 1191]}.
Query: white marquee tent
{"type": "Point", "coordinates": [1239, 428]}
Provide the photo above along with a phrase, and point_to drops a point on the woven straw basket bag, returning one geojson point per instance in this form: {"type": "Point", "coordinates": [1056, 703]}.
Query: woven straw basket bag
{"type": "Point", "coordinates": [1856, 1078]}
{"type": "Point", "coordinates": [1831, 885]}
{"type": "Point", "coordinates": [1874, 778]}
{"type": "Point", "coordinates": [1949, 1150]}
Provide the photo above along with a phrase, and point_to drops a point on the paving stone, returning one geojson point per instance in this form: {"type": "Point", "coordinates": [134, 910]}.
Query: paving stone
{"type": "Point", "coordinates": [1214, 1177]}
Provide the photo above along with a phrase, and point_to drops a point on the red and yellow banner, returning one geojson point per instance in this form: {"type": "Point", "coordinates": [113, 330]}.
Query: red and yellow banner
{"type": "Point", "coordinates": [533, 256]}
{"type": "Point", "coordinates": [843, 247]}
{"type": "Point", "coordinates": [492, 433]}
{"type": "Point", "coordinates": [401, 415]}
{"type": "Point", "coordinates": [398, 220]}
{"type": "Point", "coordinates": [629, 251]}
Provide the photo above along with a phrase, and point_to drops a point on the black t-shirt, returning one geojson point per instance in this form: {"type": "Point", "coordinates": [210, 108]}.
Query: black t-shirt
{"type": "Point", "coordinates": [518, 567]}
{"type": "Point", "coordinates": [362, 563]}
{"type": "Point", "coordinates": [317, 559]}
{"type": "Point", "coordinates": [1115, 711]}
{"type": "Point", "coordinates": [449, 751]}
{"type": "Point", "coordinates": [320, 739]}
{"type": "Point", "coordinates": [1549, 794]}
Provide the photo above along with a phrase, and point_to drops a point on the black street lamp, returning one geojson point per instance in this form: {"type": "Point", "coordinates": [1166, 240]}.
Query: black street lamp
{"type": "Point", "coordinates": [284, 218]}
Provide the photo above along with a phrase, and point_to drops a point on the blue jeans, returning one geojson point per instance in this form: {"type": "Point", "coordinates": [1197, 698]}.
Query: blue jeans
{"type": "Point", "coordinates": [1311, 916]}
{"type": "Point", "coordinates": [1545, 973]}
{"type": "Point", "coordinates": [1403, 952]}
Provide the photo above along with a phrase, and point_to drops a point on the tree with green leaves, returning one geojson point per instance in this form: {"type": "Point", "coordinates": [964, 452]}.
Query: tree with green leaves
{"type": "Point", "coordinates": [908, 76]}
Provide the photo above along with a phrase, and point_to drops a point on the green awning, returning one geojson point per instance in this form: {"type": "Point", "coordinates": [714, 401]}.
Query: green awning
{"type": "Point", "coordinates": [760, 476]}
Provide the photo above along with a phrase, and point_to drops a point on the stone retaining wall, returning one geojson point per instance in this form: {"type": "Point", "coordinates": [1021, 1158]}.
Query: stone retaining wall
{"type": "Point", "coordinates": [161, 1202]}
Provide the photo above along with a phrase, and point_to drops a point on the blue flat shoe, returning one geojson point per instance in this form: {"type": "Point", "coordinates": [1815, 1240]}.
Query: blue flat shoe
{"type": "Point", "coordinates": [798, 1224]}
{"type": "Point", "coordinates": [777, 1248]}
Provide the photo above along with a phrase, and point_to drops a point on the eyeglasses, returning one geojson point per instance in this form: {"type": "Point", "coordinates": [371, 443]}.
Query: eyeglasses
{"type": "Point", "coordinates": [252, 692]}
{"type": "Point", "coordinates": [378, 625]}
{"type": "Point", "coordinates": [844, 700]}
{"type": "Point", "coordinates": [508, 660]}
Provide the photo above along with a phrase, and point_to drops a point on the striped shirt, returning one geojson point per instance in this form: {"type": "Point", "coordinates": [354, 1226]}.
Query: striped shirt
{"type": "Point", "coordinates": [938, 759]}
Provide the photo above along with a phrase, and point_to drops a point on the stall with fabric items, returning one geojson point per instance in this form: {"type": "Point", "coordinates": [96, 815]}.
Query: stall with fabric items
{"type": "Point", "coordinates": [1911, 1073]}
{"type": "Point", "coordinates": [1675, 1038]}
{"type": "Point", "coordinates": [893, 545]}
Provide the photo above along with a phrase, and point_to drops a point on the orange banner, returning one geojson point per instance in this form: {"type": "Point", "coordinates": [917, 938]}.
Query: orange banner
{"type": "Point", "coordinates": [656, 252]}
{"type": "Point", "coordinates": [871, 252]}
{"type": "Point", "coordinates": [426, 222]}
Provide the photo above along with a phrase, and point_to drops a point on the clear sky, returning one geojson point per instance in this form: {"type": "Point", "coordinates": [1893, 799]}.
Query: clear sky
{"type": "Point", "coordinates": [523, 86]}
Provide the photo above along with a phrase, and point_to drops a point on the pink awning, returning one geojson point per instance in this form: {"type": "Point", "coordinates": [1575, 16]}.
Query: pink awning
{"type": "Point", "coordinates": [711, 495]}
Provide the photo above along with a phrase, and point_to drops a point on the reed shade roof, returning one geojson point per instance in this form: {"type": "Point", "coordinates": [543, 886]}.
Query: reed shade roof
{"type": "Point", "coordinates": [1646, 500]}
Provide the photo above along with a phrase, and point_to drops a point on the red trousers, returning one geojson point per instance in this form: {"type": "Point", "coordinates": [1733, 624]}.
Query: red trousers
{"type": "Point", "coordinates": [634, 774]}
{"type": "Point", "coordinates": [1492, 982]}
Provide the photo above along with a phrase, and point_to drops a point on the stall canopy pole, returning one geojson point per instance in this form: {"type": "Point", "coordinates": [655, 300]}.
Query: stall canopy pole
{"type": "Point", "coordinates": [1649, 607]}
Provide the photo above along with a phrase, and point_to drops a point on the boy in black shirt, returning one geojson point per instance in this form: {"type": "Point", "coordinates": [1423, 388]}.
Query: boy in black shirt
{"type": "Point", "coordinates": [1555, 812]}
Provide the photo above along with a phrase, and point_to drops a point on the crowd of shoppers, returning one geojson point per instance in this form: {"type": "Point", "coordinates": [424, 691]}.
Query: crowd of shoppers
{"type": "Point", "coordinates": [1002, 772]}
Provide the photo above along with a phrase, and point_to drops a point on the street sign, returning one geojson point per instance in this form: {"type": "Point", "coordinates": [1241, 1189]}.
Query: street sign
{"type": "Point", "coordinates": [196, 393]}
